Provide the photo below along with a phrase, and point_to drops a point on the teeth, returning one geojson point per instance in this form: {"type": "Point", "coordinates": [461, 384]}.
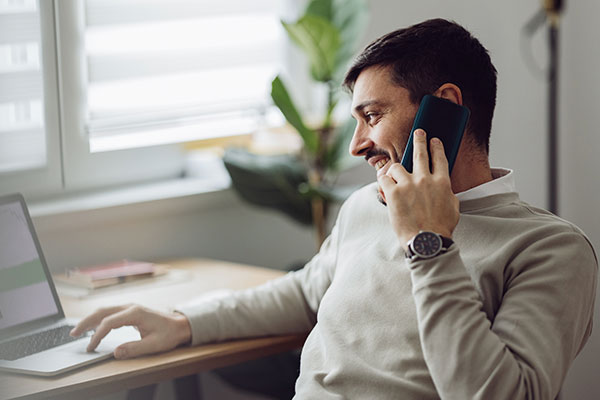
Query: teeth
{"type": "Point", "coordinates": [381, 163]}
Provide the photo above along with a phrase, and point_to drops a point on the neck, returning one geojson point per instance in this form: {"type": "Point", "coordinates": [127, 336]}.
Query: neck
{"type": "Point", "coordinates": [470, 173]}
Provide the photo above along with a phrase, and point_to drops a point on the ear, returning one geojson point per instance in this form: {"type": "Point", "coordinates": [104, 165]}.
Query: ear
{"type": "Point", "coordinates": [450, 91]}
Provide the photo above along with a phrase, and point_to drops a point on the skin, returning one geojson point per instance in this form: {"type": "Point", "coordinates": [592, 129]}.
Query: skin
{"type": "Point", "coordinates": [422, 200]}
{"type": "Point", "coordinates": [158, 331]}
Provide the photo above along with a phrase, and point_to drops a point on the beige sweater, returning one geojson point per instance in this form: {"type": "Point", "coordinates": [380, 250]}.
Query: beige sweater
{"type": "Point", "coordinates": [501, 315]}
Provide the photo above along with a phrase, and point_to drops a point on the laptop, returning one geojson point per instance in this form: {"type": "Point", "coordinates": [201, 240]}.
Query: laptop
{"type": "Point", "coordinates": [34, 333]}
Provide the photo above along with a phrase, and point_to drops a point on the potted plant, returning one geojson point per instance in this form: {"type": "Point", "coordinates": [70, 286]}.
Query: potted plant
{"type": "Point", "coordinates": [301, 185]}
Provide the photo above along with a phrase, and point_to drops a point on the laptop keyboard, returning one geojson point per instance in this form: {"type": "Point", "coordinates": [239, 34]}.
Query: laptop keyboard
{"type": "Point", "coordinates": [35, 343]}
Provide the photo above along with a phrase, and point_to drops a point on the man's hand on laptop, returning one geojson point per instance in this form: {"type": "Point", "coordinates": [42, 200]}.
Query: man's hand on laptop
{"type": "Point", "coordinates": [158, 331]}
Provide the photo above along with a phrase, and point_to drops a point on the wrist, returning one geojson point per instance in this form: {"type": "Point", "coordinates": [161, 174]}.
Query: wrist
{"type": "Point", "coordinates": [427, 244]}
{"type": "Point", "coordinates": [407, 238]}
{"type": "Point", "coordinates": [183, 328]}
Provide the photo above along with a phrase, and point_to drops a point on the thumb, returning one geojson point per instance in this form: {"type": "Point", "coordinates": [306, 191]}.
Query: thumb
{"type": "Point", "coordinates": [135, 349]}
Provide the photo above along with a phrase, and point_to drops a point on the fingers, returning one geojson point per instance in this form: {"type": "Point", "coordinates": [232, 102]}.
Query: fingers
{"type": "Point", "coordinates": [420, 155]}
{"type": "Point", "coordinates": [438, 158]}
{"type": "Point", "coordinates": [156, 329]}
{"type": "Point", "coordinates": [129, 316]}
{"type": "Point", "coordinates": [386, 183]}
{"type": "Point", "coordinates": [136, 348]}
{"type": "Point", "coordinates": [397, 174]}
{"type": "Point", "coordinates": [163, 332]}
{"type": "Point", "coordinates": [94, 319]}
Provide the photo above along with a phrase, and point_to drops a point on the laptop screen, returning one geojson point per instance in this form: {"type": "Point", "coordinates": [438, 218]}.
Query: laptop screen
{"type": "Point", "coordinates": [25, 293]}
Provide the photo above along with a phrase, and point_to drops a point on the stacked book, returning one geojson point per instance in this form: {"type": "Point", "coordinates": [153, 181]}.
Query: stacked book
{"type": "Point", "coordinates": [111, 274]}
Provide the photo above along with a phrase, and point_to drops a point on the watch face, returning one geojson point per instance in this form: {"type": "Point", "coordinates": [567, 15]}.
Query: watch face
{"type": "Point", "coordinates": [427, 244]}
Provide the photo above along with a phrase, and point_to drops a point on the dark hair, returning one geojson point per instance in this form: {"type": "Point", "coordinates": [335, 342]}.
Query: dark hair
{"type": "Point", "coordinates": [427, 55]}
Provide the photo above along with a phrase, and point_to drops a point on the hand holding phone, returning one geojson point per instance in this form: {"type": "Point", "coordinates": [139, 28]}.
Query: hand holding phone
{"type": "Point", "coordinates": [439, 118]}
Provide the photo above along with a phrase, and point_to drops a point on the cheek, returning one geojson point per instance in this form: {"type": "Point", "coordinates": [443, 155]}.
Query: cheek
{"type": "Point", "coordinates": [396, 136]}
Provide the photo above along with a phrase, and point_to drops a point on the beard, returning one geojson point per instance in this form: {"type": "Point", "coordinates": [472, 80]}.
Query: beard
{"type": "Point", "coordinates": [380, 197]}
{"type": "Point", "coordinates": [392, 157]}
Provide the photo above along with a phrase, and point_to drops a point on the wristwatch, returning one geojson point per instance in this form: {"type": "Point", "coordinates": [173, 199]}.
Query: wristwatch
{"type": "Point", "coordinates": [427, 244]}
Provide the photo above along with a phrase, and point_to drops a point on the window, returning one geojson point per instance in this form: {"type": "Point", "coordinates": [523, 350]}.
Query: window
{"type": "Point", "coordinates": [29, 136]}
{"type": "Point", "coordinates": [135, 78]}
{"type": "Point", "coordinates": [22, 134]}
{"type": "Point", "coordinates": [211, 63]}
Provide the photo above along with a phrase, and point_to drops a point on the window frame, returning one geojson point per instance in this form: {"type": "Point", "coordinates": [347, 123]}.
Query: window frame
{"type": "Point", "coordinates": [40, 181]}
{"type": "Point", "coordinates": [82, 168]}
{"type": "Point", "coordinates": [71, 166]}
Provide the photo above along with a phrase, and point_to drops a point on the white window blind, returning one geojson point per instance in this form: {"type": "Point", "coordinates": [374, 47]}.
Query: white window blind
{"type": "Point", "coordinates": [176, 70]}
{"type": "Point", "coordinates": [22, 133]}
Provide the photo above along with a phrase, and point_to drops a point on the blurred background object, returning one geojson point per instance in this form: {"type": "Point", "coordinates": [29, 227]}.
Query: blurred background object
{"type": "Point", "coordinates": [302, 185]}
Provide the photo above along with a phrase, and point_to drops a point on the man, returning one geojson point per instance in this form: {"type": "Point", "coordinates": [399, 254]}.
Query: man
{"type": "Point", "coordinates": [497, 309]}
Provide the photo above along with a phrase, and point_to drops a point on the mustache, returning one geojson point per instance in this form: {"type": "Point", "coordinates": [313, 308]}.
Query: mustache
{"type": "Point", "coordinates": [376, 152]}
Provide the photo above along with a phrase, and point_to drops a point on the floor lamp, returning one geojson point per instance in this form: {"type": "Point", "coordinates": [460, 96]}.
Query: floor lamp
{"type": "Point", "coordinates": [550, 14]}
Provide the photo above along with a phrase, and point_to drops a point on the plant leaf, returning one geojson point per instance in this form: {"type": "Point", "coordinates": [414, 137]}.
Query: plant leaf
{"type": "Point", "coordinates": [270, 181]}
{"type": "Point", "coordinates": [338, 157]}
{"type": "Point", "coordinates": [320, 40]}
{"type": "Point", "coordinates": [350, 17]}
{"type": "Point", "coordinates": [321, 8]}
{"type": "Point", "coordinates": [283, 101]}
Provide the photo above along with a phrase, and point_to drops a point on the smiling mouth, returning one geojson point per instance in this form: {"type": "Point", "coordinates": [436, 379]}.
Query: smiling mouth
{"type": "Point", "coordinates": [381, 163]}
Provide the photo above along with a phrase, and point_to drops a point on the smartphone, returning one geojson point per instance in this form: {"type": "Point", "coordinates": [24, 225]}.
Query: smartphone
{"type": "Point", "coordinates": [439, 118]}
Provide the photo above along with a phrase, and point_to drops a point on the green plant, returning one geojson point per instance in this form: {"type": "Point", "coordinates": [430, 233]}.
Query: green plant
{"type": "Point", "coordinates": [302, 186]}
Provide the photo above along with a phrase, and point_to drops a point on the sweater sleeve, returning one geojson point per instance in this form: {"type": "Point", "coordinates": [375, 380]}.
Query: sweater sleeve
{"type": "Point", "coordinates": [285, 305]}
{"type": "Point", "coordinates": [543, 321]}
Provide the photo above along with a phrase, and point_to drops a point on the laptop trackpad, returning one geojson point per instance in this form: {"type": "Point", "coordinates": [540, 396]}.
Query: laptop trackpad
{"type": "Point", "coordinates": [72, 355]}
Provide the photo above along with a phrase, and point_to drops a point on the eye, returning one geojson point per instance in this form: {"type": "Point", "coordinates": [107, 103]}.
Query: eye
{"type": "Point", "coordinates": [371, 117]}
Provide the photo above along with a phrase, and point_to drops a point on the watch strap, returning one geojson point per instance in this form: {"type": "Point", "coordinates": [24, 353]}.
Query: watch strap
{"type": "Point", "coordinates": [446, 243]}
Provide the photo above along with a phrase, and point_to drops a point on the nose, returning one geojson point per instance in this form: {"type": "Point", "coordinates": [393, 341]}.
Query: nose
{"type": "Point", "coordinates": [361, 143]}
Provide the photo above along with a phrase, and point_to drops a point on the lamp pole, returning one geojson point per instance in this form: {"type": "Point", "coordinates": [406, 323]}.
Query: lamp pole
{"type": "Point", "coordinates": [553, 9]}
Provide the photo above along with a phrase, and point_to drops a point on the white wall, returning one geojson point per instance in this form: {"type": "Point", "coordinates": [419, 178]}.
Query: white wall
{"type": "Point", "coordinates": [219, 226]}
{"type": "Point", "coordinates": [213, 225]}
{"type": "Point", "coordinates": [518, 123]}
{"type": "Point", "coordinates": [519, 129]}
{"type": "Point", "coordinates": [579, 162]}
{"type": "Point", "coordinates": [226, 228]}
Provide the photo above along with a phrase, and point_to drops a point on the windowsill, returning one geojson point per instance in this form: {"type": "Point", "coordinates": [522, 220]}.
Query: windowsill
{"type": "Point", "coordinates": [205, 175]}
{"type": "Point", "coordinates": [176, 188]}
{"type": "Point", "coordinates": [135, 202]}
{"type": "Point", "coordinates": [201, 157]}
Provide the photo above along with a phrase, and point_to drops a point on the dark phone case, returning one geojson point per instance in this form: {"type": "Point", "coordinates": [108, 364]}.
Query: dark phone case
{"type": "Point", "coordinates": [439, 118]}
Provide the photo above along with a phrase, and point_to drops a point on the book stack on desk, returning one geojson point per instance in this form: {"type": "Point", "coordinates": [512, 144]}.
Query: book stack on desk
{"type": "Point", "coordinates": [99, 276]}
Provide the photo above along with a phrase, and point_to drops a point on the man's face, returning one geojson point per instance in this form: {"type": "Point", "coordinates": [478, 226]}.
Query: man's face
{"type": "Point", "coordinates": [384, 115]}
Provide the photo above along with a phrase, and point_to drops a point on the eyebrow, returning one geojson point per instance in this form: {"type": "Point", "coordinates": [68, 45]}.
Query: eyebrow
{"type": "Point", "coordinates": [358, 109]}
